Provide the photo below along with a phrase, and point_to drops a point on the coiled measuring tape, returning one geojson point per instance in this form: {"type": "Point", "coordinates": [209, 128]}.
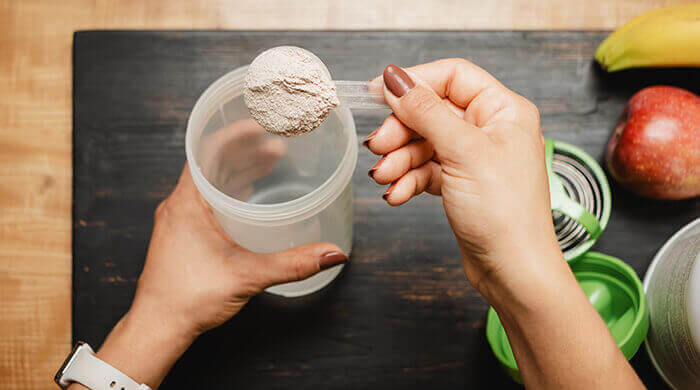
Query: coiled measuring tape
{"type": "Point", "coordinates": [580, 197]}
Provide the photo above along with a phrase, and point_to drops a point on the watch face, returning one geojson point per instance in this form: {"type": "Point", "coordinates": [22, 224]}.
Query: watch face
{"type": "Point", "coordinates": [66, 362]}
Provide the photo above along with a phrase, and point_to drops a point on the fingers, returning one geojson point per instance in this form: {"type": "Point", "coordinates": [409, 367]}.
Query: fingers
{"type": "Point", "coordinates": [236, 171]}
{"type": "Point", "coordinates": [472, 88]}
{"type": "Point", "coordinates": [391, 135]}
{"type": "Point", "coordinates": [239, 184]}
{"type": "Point", "coordinates": [242, 131]}
{"type": "Point", "coordinates": [233, 157]}
{"type": "Point", "coordinates": [234, 154]}
{"type": "Point", "coordinates": [422, 110]}
{"type": "Point", "coordinates": [397, 163]}
{"type": "Point", "coordinates": [455, 78]}
{"type": "Point", "coordinates": [424, 178]}
{"type": "Point", "coordinates": [298, 263]}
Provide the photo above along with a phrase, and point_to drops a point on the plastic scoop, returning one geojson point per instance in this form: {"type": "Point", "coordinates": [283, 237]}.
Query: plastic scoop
{"type": "Point", "coordinates": [289, 91]}
{"type": "Point", "coordinates": [361, 95]}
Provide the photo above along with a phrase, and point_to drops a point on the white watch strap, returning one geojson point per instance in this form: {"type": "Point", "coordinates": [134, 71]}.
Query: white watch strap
{"type": "Point", "coordinates": [91, 372]}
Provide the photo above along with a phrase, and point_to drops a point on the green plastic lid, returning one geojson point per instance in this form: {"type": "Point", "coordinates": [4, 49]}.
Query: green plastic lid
{"type": "Point", "coordinates": [561, 201]}
{"type": "Point", "coordinates": [615, 291]}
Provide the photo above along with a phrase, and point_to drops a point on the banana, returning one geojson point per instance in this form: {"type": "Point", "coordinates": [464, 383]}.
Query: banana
{"type": "Point", "coordinates": [664, 37]}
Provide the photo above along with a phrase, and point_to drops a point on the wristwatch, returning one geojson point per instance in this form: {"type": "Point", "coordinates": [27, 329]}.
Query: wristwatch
{"type": "Point", "coordinates": [82, 366]}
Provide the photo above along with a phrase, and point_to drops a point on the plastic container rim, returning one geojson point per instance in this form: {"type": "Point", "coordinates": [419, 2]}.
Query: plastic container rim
{"type": "Point", "coordinates": [267, 214]}
{"type": "Point", "coordinates": [576, 253]}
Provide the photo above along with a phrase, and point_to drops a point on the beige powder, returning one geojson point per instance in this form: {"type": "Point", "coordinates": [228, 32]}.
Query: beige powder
{"type": "Point", "coordinates": [289, 91]}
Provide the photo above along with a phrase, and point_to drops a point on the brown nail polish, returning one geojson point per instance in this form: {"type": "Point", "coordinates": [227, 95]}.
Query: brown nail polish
{"type": "Point", "coordinates": [331, 259]}
{"type": "Point", "coordinates": [376, 166]}
{"type": "Point", "coordinates": [370, 137]}
{"type": "Point", "coordinates": [386, 194]}
{"type": "Point", "coordinates": [397, 81]}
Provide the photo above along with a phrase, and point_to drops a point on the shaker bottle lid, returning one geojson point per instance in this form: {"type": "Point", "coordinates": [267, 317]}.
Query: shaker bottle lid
{"type": "Point", "coordinates": [580, 197]}
{"type": "Point", "coordinates": [615, 291]}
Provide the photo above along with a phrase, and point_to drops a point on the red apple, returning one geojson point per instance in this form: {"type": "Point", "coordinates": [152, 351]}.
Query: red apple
{"type": "Point", "coordinates": [655, 148]}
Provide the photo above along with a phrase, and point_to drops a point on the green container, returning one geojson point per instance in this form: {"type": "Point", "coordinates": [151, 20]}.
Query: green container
{"type": "Point", "coordinates": [592, 218]}
{"type": "Point", "coordinates": [616, 293]}
{"type": "Point", "coordinates": [612, 286]}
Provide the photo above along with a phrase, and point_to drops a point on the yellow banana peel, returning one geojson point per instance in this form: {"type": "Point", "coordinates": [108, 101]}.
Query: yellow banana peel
{"type": "Point", "coordinates": [664, 37]}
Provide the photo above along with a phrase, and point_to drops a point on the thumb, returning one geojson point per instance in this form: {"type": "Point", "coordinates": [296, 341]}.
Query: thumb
{"type": "Point", "coordinates": [300, 263]}
{"type": "Point", "coordinates": [418, 107]}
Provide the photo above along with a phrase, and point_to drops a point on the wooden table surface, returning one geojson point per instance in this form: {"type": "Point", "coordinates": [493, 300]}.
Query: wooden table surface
{"type": "Point", "coordinates": [35, 124]}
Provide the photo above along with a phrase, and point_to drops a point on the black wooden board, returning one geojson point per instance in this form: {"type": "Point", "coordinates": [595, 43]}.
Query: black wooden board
{"type": "Point", "coordinates": [402, 314]}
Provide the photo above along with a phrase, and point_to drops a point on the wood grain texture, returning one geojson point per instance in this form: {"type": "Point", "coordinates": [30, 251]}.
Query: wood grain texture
{"type": "Point", "coordinates": [402, 313]}
{"type": "Point", "coordinates": [35, 124]}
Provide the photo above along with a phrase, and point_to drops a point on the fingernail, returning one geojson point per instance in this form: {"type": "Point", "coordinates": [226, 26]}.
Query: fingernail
{"type": "Point", "coordinates": [370, 137]}
{"type": "Point", "coordinates": [331, 259]}
{"type": "Point", "coordinates": [397, 81]}
{"type": "Point", "coordinates": [376, 166]}
{"type": "Point", "coordinates": [386, 194]}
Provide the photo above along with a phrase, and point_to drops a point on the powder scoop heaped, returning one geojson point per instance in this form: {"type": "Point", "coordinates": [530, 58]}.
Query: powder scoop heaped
{"type": "Point", "coordinates": [289, 91]}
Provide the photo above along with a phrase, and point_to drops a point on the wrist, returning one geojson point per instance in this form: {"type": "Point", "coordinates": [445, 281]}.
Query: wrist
{"type": "Point", "coordinates": [529, 275]}
{"type": "Point", "coordinates": [157, 327]}
{"type": "Point", "coordinates": [164, 316]}
{"type": "Point", "coordinates": [144, 345]}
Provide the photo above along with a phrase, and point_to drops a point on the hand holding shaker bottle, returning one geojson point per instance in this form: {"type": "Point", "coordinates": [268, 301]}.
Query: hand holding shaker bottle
{"type": "Point", "coordinates": [273, 193]}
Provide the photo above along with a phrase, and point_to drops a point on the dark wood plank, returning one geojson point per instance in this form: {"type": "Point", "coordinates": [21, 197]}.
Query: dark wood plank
{"type": "Point", "coordinates": [402, 314]}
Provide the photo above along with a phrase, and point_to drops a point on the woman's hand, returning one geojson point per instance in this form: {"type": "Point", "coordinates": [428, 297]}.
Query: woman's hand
{"type": "Point", "coordinates": [457, 132]}
{"type": "Point", "coordinates": [196, 278]}
{"type": "Point", "coordinates": [200, 277]}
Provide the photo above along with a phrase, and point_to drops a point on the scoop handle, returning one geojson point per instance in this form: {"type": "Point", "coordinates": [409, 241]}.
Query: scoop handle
{"type": "Point", "coordinates": [361, 95]}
